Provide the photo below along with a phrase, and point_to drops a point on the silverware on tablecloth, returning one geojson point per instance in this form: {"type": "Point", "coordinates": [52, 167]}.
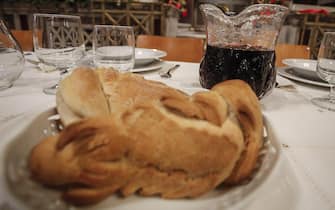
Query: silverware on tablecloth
{"type": "Point", "coordinates": [167, 74]}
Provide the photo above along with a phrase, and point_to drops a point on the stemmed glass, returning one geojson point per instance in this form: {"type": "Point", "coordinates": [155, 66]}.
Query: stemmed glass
{"type": "Point", "coordinates": [11, 58]}
{"type": "Point", "coordinates": [58, 41]}
{"type": "Point", "coordinates": [326, 70]}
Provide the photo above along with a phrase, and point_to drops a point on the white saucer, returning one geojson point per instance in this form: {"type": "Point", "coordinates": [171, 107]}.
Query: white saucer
{"type": "Point", "coordinates": [302, 75]}
{"type": "Point", "coordinates": [302, 70]}
{"type": "Point", "coordinates": [145, 56]}
{"type": "Point", "coordinates": [143, 68]}
{"type": "Point", "coordinates": [305, 64]}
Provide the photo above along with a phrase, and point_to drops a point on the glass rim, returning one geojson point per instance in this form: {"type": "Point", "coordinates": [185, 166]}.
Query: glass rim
{"type": "Point", "coordinates": [55, 15]}
{"type": "Point", "coordinates": [114, 26]}
{"type": "Point", "coordinates": [271, 5]}
{"type": "Point", "coordinates": [277, 7]}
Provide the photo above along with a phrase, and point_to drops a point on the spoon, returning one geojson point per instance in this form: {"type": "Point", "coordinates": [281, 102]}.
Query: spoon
{"type": "Point", "coordinates": [167, 74]}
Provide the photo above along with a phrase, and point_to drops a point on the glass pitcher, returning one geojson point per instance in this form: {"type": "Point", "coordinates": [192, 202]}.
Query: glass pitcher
{"type": "Point", "coordinates": [242, 46]}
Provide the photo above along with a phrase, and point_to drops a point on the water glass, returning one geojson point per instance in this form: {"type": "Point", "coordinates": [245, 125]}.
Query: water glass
{"type": "Point", "coordinates": [114, 46]}
{"type": "Point", "coordinates": [58, 42]}
{"type": "Point", "coordinates": [11, 58]}
{"type": "Point", "coordinates": [326, 70]}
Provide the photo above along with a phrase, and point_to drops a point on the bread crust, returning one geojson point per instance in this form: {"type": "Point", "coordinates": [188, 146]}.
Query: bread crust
{"type": "Point", "coordinates": [239, 95]}
{"type": "Point", "coordinates": [81, 95]}
{"type": "Point", "coordinates": [153, 140]}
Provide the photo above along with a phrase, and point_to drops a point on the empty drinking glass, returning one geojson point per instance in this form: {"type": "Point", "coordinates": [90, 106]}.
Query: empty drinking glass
{"type": "Point", "coordinates": [114, 46]}
{"type": "Point", "coordinates": [326, 70]}
{"type": "Point", "coordinates": [11, 58]}
{"type": "Point", "coordinates": [61, 44]}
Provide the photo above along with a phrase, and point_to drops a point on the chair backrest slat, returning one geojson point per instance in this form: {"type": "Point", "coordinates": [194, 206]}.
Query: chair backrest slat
{"type": "Point", "coordinates": [24, 38]}
{"type": "Point", "coordinates": [284, 51]}
{"type": "Point", "coordinates": [178, 49]}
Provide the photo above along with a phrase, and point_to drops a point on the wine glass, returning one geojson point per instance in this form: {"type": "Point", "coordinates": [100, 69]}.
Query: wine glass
{"type": "Point", "coordinates": [11, 58]}
{"type": "Point", "coordinates": [326, 70]}
{"type": "Point", "coordinates": [114, 46]}
{"type": "Point", "coordinates": [58, 42]}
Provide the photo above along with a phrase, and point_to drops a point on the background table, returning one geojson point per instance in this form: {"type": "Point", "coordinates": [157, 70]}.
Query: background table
{"type": "Point", "coordinates": [307, 133]}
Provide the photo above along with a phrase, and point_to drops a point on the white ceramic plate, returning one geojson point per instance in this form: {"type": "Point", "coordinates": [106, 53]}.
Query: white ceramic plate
{"type": "Point", "coordinates": [155, 65]}
{"type": "Point", "coordinates": [19, 192]}
{"type": "Point", "coordinates": [305, 64]}
{"type": "Point", "coordinates": [302, 75]}
{"type": "Point", "coordinates": [145, 56]}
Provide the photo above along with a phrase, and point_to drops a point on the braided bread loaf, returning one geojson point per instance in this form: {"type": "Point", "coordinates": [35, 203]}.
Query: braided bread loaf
{"type": "Point", "coordinates": [126, 134]}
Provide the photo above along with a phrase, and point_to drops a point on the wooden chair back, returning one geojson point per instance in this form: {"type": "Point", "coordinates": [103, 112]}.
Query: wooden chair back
{"type": "Point", "coordinates": [284, 51]}
{"type": "Point", "coordinates": [178, 49]}
{"type": "Point", "coordinates": [24, 38]}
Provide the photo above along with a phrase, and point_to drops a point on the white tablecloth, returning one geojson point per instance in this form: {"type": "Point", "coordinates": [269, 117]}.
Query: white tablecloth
{"type": "Point", "coordinates": [306, 132]}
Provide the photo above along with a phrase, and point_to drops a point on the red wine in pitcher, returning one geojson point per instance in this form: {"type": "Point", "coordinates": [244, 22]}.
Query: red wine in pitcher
{"type": "Point", "coordinates": [255, 65]}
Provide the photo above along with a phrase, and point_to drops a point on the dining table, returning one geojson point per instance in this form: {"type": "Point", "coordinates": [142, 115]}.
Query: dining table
{"type": "Point", "coordinates": [306, 133]}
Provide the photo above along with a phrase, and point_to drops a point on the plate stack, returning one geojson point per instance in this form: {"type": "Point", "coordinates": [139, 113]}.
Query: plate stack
{"type": "Point", "coordinates": [148, 59]}
{"type": "Point", "coordinates": [302, 70]}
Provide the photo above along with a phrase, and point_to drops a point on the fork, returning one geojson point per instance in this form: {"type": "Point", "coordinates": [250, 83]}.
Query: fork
{"type": "Point", "coordinates": [167, 74]}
